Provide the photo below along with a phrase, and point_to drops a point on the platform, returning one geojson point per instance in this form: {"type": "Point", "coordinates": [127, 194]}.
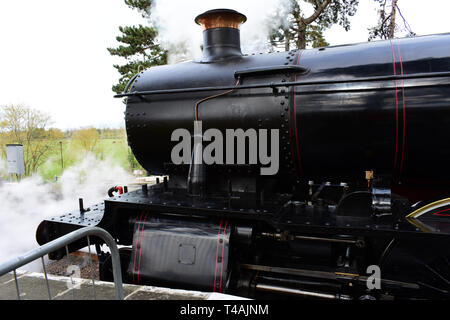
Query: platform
{"type": "Point", "coordinates": [32, 286]}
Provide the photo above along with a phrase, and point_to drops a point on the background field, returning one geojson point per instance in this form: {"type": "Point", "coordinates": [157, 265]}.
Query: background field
{"type": "Point", "coordinates": [115, 150]}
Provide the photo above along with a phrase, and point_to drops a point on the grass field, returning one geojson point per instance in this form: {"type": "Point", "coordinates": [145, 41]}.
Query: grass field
{"type": "Point", "coordinates": [111, 149]}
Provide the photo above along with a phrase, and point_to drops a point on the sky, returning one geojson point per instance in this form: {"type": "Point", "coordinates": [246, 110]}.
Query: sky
{"type": "Point", "coordinates": [53, 53]}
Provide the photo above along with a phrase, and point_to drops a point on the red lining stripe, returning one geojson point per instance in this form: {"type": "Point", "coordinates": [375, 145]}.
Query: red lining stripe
{"type": "Point", "coordinates": [223, 246]}
{"type": "Point", "coordinates": [396, 108]}
{"type": "Point", "coordinates": [439, 213]}
{"type": "Point", "coordinates": [295, 121]}
{"type": "Point", "coordinates": [140, 247]}
{"type": "Point", "coordinates": [137, 237]}
{"type": "Point", "coordinates": [404, 107]}
{"type": "Point", "coordinates": [217, 254]}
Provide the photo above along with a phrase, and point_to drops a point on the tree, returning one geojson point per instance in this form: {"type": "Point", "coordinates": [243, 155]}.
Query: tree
{"type": "Point", "coordinates": [387, 27]}
{"type": "Point", "coordinates": [86, 138]}
{"type": "Point", "coordinates": [294, 28]}
{"type": "Point", "coordinates": [132, 162]}
{"type": "Point", "coordinates": [26, 126]}
{"type": "Point", "coordinates": [140, 47]}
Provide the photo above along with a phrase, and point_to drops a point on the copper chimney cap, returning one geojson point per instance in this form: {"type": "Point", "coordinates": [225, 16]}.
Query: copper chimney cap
{"type": "Point", "coordinates": [220, 18]}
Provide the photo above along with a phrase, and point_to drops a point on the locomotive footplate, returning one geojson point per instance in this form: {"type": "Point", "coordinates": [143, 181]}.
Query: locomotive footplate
{"type": "Point", "coordinates": [280, 213]}
{"type": "Point", "coordinates": [175, 240]}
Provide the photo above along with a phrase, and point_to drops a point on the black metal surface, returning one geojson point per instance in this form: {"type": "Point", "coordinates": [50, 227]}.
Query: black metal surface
{"type": "Point", "coordinates": [373, 83]}
{"type": "Point", "coordinates": [170, 218]}
{"type": "Point", "coordinates": [220, 44]}
{"type": "Point", "coordinates": [180, 253]}
{"type": "Point", "coordinates": [342, 112]}
{"type": "Point", "coordinates": [295, 216]}
{"type": "Point", "coordinates": [353, 112]}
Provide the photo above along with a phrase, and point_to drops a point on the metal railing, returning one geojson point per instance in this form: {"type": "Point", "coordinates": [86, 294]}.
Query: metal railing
{"type": "Point", "coordinates": [65, 240]}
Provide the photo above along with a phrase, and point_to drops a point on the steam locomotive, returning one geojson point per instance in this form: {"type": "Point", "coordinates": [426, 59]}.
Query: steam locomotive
{"type": "Point", "coordinates": [357, 205]}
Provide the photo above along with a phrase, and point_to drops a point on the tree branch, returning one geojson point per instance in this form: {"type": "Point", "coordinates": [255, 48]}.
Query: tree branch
{"type": "Point", "coordinates": [316, 14]}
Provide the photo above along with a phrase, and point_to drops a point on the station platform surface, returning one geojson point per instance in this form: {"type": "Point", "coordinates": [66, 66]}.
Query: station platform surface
{"type": "Point", "coordinates": [32, 286]}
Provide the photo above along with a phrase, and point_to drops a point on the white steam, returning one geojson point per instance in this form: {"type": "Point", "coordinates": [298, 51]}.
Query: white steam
{"type": "Point", "coordinates": [3, 169]}
{"type": "Point", "coordinates": [183, 37]}
{"type": "Point", "coordinates": [24, 205]}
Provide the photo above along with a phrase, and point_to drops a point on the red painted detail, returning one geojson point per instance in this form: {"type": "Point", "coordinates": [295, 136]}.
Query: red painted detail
{"type": "Point", "coordinates": [404, 108]}
{"type": "Point", "coordinates": [120, 189]}
{"type": "Point", "coordinates": [396, 108]}
{"type": "Point", "coordinates": [217, 255]}
{"type": "Point", "coordinates": [140, 249]}
{"type": "Point", "coordinates": [137, 239]}
{"type": "Point", "coordinates": [439, 214]}
{"type": "Point", "coordinates": [223, 246]}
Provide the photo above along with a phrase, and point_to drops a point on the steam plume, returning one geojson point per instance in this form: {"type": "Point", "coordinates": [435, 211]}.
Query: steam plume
{"type": "Point", "coordinates": [183, 38]}
{"type": "Point", "coordinates": [24, 205]}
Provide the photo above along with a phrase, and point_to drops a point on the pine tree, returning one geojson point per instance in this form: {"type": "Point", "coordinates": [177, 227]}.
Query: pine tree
{"type": "Point", "coordinates": [139, 46]}
{"type": "Point", "coordinates": [295, 29]}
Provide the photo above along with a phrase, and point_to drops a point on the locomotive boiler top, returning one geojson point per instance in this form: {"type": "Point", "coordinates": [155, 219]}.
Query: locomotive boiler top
{"type": "Point", "coordinates": [381, 106]}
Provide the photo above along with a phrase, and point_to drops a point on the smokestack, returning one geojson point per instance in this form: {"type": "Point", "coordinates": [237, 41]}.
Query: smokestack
{"type": "Point", "coordinates": [221, 35]}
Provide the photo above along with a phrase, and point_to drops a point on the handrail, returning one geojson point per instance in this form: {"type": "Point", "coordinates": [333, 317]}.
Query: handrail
{"type": "Point", "coordinates": [56, 244]}
{"type": "Point", "coordinates": [273, 85]}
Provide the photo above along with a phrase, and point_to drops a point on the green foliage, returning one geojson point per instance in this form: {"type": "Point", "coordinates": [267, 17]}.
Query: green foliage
{"type": "Point", "coordinates": [86, 139]}
{"type": "Point", "coordinates": [28, 127]}
{"type": "Point", "coordinates": [133, 163]}
{"type": "Point", "coordinates": [139, 47]}
{"type": "Point", "coordinates": [112, 145]}
{"type": "Point", "coordinates": [109, 133]}
{"type": "Point", "coordinates": [142, 5]}
{"type": "Point", "coordinates": [65, 149]}
{"type": "Point", "coordinates": [314, 36]}
{"type": "Point", "coordinates": [293, 28]}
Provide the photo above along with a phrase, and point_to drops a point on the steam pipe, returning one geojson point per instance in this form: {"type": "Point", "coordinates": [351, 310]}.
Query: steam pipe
{"type": "Point", "coordinates": [196, 176]}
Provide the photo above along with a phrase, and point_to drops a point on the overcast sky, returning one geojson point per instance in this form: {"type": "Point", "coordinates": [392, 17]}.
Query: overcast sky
{"type": "Point", "coordinates": [53, 53]}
